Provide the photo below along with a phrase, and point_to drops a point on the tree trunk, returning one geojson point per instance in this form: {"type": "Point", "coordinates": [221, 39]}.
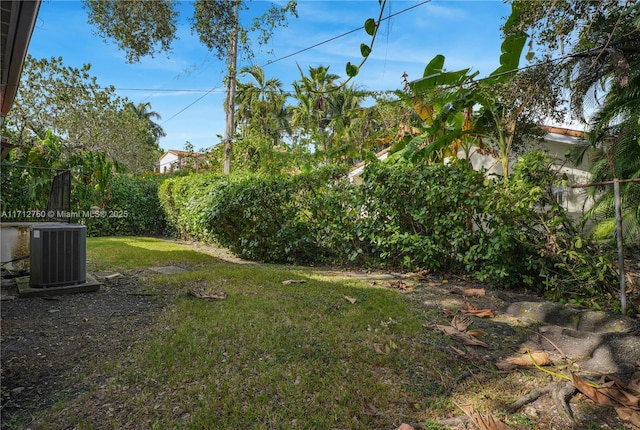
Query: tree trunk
{"type": "Point", "coordinates": [229, 129]}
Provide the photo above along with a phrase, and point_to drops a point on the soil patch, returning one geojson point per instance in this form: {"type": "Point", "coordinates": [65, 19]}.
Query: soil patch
{"type": "Point", "coordinates": [48, 343]}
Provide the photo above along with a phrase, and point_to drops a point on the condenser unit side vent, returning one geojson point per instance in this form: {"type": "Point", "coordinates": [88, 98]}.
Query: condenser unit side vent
{"type": "Point", "coordinates": [58, 255]}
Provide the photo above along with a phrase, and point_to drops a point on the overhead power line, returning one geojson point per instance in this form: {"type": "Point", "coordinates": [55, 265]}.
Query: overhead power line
{"type": "Point", "coordinates": [342, 35]}
{"type": "Point", "coordinates": [331, 39]}
{"type": "Point", "coordinates": [171, 90]}
{"type": "Point", "coordinates": [189, 105]}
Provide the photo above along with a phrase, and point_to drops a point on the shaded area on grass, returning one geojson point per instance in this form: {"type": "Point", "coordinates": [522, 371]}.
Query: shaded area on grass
{"type": "Point", "coordinates": [127, 253]}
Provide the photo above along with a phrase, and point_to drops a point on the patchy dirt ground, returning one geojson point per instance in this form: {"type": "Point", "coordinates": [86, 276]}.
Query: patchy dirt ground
{"type": "Point", "coordinates": [48, 343]}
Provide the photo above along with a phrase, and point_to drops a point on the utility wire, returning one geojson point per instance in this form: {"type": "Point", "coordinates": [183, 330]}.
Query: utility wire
{"type": "Point", "coordinates": [189, 105]}
{"type": "Point", "coordinates": [551, 61]}
{"type": "Point", "coordinates": [467, 83]}
{"type": "Point", "coordinates": [342, 35]}
{"type": "Point", "coordinates": [172, 90]}
{"type": "Point", "coordinates": [307, 49]}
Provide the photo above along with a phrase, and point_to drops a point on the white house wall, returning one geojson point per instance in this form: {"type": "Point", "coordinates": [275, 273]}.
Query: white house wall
{"type": "Point", "coordinates": [168, 162]}
{"type": "Point", "coordinates": [574, 200]}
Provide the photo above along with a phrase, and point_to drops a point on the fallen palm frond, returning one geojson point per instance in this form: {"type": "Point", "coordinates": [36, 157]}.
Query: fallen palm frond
{"type": "Point", "coordinates": [526, 359]}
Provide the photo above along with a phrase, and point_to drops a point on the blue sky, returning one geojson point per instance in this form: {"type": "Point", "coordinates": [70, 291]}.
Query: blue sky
{"type": "Point", "coordinates": [466, 32]}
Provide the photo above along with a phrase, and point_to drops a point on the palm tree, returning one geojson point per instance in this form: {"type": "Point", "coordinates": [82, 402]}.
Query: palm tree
{"type": "Point", "coordinates": [314, 93]}
{"type": "Point", "coordinates": [259, 102]}
{"type": "Point", "coordinates": [612, 66]}
{"type": "Point", "coordinates": [343, 109]}
{"type": "Point", "coordinates": [263, 117]}
{"type": "Point", "coordinates": [616, 128]}
{"type": "Point", "coordinates": [143, 111]}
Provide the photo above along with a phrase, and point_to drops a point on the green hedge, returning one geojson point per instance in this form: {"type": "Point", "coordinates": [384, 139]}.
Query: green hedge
{"type": "Point", "coordinates": [440, 218]}
{"type": "Point", "coordinates": [128, 204]}
{"type": "Point", "coordinates": [259, 217]}
{"type": "Point", "coordinates": [129, 207]}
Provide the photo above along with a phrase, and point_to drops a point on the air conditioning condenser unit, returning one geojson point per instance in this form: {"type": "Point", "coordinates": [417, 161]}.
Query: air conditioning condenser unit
{"type": "Point", "coordinates": [57, 255]}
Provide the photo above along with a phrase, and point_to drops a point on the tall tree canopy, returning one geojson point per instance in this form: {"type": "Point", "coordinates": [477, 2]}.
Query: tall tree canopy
{"type": "Point", "coordinates": [145, 28]}
{"type": "Point", "coordinates": [143, 111]}
{"type": "Point", "coordinates": [594, 43]}
{"type": "Point", "coordinates": [149, 27]}
{"type": "Point", "coordinates": [69, 102]}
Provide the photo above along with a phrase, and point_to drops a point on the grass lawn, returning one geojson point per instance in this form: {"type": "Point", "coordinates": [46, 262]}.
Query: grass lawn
{"type": "Point", "coordinates": [332, 352]}
{"type": "Point", "coordinates": [270, 355]}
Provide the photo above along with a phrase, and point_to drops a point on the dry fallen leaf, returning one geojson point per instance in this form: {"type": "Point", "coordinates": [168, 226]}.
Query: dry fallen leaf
{"type": "Point", "coordinates": [528, 359]}
{"type": "Point", "coordinates": [219, 295]}
{"type": "Point", "coordinates": [469, 340]}
{"type": "Point", "coordinates": [461, 322]}
{"type": "Point", "coordinates": [474, 292]}
{"type": "Point", "coordinates": [420, 276]}
{"type": "Point", "coordinates": [614, 393]}
{"type": "Point", "coordinates": [446, 312]}
{"type": "Point", "coordinates": [629, 415]}
{"type": "Point", "coordinates": [293, 281]}
{"type": "Point", "coordinates": [447, 329]}
{"type": "Point", "coordinates": [457, 331]}
{"type": "Point", "coordinates": [350, 299]}
{"type": "Point", "coordinates": [399, 285]}
{"type": "Point", "coordinates": [476, 333]}
{"type": "Point", "coordinates": [469, 292]}
{"type": "Point", "coordinates": [484, 422]}
{"type": "Point", "coordinates": [480, 313]}
{"type": "Point", "coordinates": [461, 336]}
{"type": "Point", "coordinates": [632, 386]}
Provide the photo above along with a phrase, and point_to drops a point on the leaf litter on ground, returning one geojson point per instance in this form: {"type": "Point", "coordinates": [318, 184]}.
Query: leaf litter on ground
{"type": "Point", "coordinates": [458, 330]}
{"type": "Point", "coordinates": [611, 391]}
{"type": "Point", "coordinates": [218, 295]}
{"type": "Point", "coordinates": [484, 422]}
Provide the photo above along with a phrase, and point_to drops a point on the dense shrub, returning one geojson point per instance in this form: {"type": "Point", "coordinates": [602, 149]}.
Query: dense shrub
{"type": "Point", "coordinates": [261, 217]}
{"type": "Point", "coordinates": [421, 216]}
{"type": "Point", "coordinates": [127, 204]}
{"type": "Point", "coordinates": [565, 264]}
{"type": "Point", "coordinates": [441, 218]}
{"type": "Point", "coordinates": [426, 217]}
{"type": "Point", "coordinates": [184, 200]}
{"type": "Point", "coordinates": [129, 207]}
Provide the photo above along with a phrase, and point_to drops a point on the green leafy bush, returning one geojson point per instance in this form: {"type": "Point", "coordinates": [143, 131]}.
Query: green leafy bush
{"type": "Point", "coordinates": [258, 217]}
{"type": "Point", "coordinates": [576, 268]}
{"type": "Point", "coordinates": [261, 217]}
{"type": "Point", "coordinates": [127, 204]}
{"type": "Point", "coordinates": [129, 207]}
{"type": "Point", "coordinates": [441, 218]}
{"type": "Point", "coordinates": [421, 217]}
{"type": "Point", "coordinates": [184, 200]}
